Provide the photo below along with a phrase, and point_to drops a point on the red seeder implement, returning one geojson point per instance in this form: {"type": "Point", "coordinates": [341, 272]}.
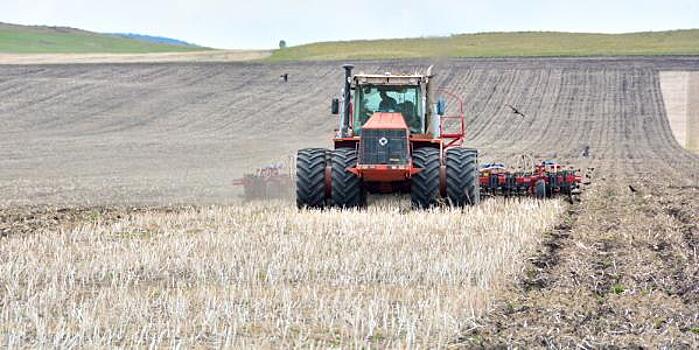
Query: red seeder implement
{"type": "Point", "coordinates": [267, 182]}
{"type": "Point", "coordinates": [543, 180]}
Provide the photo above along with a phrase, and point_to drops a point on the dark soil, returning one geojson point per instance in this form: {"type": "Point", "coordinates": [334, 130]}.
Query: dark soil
{"type": "Point", "coordinates": [624, 272]}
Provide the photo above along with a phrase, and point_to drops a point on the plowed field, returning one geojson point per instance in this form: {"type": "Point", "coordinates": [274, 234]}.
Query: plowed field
{"type": "Point", "coordinates": [157, 133]}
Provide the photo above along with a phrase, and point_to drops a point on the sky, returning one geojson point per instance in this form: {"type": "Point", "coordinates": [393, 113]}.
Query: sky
{"type": "Point", "coordinates": [261, 24]}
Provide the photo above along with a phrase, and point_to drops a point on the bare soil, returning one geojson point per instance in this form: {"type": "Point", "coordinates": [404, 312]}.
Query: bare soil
{"type": "Point", "coordinates": [621, 270]}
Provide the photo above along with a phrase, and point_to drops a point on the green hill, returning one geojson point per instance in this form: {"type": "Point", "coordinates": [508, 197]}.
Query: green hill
{"type": "Point", "coordinates": [517, 44]}
{"type": "Point", "coordinates": [42, 39]}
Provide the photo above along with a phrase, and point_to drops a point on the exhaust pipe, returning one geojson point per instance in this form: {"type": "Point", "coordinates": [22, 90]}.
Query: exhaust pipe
{"type": "Point", "coordinates": [346, 99]}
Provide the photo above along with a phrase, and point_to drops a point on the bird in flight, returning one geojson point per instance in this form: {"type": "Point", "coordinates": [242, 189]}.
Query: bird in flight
{"type": "Point", "coordinates": [515, 110]}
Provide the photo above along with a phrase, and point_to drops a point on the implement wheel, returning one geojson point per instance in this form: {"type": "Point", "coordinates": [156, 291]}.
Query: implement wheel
{"type": "Point", "coordinates": [540, 189]}
{"type": "Point", "coordinates": [347, 188]}
{"type": "Point", "coordinates": [424, 188]}
{"type": "Point", "coordinates": [553, 183]}
{"type": "Point", "coordinates": [463, 187]}
{"type": "Point", "coordinates": [310, 177]}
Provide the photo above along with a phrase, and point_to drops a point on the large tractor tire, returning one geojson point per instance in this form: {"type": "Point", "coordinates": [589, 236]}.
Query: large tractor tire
{"type": "Point", "coordinates": [310, 177]}
{"type": "Point", "coordinates": [424, 188]}
{"type": "Point", "coordinates": [347, 188]}
{"type": "Point", "coordinates": [463, 183]}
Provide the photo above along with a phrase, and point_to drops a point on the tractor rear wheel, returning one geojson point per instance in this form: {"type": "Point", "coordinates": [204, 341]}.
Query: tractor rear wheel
{"type": "Point", "coordinates": [424, 188]}
{"type": "Point", "coordinates": [463, 183]}
{"type": "Point", "coordinates": [347, 189]}
{"type": "Point", "coordinates": [310, 177]}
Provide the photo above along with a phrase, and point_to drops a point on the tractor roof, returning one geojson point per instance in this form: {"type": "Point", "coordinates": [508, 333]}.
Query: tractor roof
{"type": "Point", "coordinates": [390, 79]}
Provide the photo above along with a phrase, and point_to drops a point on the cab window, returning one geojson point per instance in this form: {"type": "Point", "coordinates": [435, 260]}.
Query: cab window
{"type": "Point", "coordinates": [401, 99]}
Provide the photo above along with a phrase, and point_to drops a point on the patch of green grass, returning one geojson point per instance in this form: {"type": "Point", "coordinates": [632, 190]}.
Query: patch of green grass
{"type": "Point", "coordinates": [618, 289]}
{"type": "Point", "coordinates": [519, 44]}
{"type": "Point", "coordinates": [28, 39]}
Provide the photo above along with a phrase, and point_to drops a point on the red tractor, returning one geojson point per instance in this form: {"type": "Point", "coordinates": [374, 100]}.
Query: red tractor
{"type": "Point", "coordinates": [392, 136]}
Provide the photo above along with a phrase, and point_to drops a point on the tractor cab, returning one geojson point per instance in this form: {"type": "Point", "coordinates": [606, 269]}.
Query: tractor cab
{"type": "Point", "coordinates": [389, 94]}
{"type": "Point", "coordinates": [367, 95]}
{"type": "Point", "coordinates": [374, 100]}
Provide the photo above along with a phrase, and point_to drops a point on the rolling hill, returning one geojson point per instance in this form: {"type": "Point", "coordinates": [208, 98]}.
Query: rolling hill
{"type": "Point", "coordinates": [156, 39]}
{"type": "Point", "coordinates": [19, 39]}
{"type": "Point", "coordinates": [43, 39]}
{"type": "Point", "coordinates": [517, 44]}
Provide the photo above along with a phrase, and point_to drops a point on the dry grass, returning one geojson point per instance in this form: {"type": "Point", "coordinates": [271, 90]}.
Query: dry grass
{"type": "Point", "coordinates": [264, 275]}
{"type": "Point", "coordinates": [680, 90]}
{"type": "Point", "coordinates": [161, 57]}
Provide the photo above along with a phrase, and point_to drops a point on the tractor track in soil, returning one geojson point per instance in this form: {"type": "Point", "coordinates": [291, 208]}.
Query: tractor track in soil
{"type": "Point", "coordinates": [620, 269]}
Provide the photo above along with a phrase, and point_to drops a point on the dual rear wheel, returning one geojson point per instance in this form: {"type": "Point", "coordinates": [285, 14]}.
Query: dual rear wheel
{"type": "Point", "coordinates": [310, 177]}
{"type": "Point", "coordinates": [346, 189]}
{"type": "Point", "coordinates": [460, 171]}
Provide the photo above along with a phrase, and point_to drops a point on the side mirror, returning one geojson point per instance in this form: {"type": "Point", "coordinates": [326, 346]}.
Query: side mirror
{"type": "Point", "coordinates": [335, 106]}
{"type": "Point", "coordinates": [441, 106]}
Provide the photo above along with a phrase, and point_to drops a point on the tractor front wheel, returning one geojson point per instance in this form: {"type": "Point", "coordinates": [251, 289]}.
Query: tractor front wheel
{"type": "Point", "coordinates": [347, 189]}
{"type": "Point", "coordinates": [463, 185]}
{"type": "Point", "coordinates": [310, 177]}
{"type": "Point", "coordinates": [424, 188]}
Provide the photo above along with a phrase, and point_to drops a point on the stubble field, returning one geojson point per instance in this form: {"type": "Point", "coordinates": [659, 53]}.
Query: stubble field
{"type": "Point", "coordinates": [264, 275]}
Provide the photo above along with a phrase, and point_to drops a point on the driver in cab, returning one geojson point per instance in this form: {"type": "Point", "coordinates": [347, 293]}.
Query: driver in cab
{"type": "Point", "coordinates": [388, 103]}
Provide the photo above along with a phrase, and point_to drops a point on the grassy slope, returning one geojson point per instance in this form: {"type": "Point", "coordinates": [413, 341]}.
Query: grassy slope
{"type": "Point", "coordinates": [31, 39]}
{"type": "Point", "coordinates": [679, 42]}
